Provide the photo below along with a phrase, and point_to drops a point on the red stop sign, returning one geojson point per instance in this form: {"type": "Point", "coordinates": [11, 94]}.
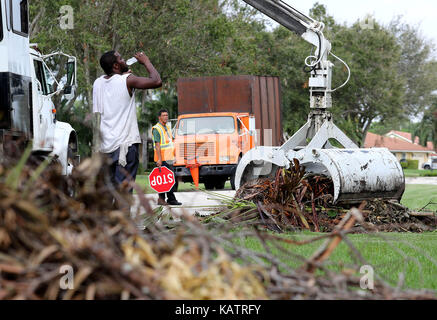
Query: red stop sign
{"type": "Point", "coordinates": [162, 180]}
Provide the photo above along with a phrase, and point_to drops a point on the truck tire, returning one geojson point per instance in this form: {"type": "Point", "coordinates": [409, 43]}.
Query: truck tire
{"type": "Point", "coordinates": [426, 167]}
{"type": "Point", "coordinates": [209, 184]}
{"type": "Point", "coordinates": [233, 181]}
{"type": "Point", "coordinates": [233, 174]}
{"type": "Point", "coordinates": [220, 183]}
{"type": "Point", "coordinates": [71, 159]}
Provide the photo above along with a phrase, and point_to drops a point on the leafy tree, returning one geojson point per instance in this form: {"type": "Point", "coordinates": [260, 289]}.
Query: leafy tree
{"type": "Point", "coordinates": [80, 119]}
{"type": "Point", "coordinates": [427, 128]}
{"type": "Point", "coordinates": [375, 90]}
{"type": "Point", "coordinates": [383, 127]}
{"type": "Point", "coordinates": [416, 65]}
{"type": "Point", "coordinates": [148, 114]}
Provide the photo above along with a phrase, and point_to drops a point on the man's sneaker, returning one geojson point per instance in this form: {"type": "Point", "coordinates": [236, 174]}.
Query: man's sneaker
{"type": "Point", "coordinates": [162, 202]}
{"type": "Point", "coordinates": [174, 203]}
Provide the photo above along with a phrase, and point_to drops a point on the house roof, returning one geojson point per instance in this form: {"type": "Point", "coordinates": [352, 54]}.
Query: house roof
{"type": "Point", "coordinates": [393, 144]}
{"type": "Point", "coordinates": [405, 135]}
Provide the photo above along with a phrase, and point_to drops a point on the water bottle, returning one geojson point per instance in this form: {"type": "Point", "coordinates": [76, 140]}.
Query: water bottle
{"type": "Point", "coordinates": [131, 61]}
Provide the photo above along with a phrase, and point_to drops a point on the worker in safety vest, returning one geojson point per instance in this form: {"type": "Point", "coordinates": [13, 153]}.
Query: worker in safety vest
{"type": "Point", "coordinates": [164, 153]}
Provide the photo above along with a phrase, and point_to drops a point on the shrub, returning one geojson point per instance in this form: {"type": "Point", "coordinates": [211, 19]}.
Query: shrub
{"type": "Point", "coordinates": [404, 164]}
{"type": "Point", "coordinates": [413, 164]}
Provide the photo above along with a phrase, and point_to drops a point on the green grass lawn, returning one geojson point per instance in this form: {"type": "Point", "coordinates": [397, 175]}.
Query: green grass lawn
{"type": "Point", "coordinates": [409, 173]}
{"type": "Point", "coordinates": [412, 172]}
{"type": "Point", "coordinates": [389, 254]}
{"type": "Point", "coordinates": [417, 196]}
{"type": "Point", "coordinates": [413, 254]}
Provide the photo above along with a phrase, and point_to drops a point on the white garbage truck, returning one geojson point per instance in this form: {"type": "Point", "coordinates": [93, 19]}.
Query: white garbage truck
{"type": "Point", "coordinates": [27, 86]}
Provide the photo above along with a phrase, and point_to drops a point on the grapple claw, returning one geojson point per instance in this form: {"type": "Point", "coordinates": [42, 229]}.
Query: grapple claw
{"type": "Point", "coordinates": [357, 174]}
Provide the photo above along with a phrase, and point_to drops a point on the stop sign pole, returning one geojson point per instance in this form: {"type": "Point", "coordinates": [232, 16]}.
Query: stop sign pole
{"type": "Point", "coordinates": [162, 179]}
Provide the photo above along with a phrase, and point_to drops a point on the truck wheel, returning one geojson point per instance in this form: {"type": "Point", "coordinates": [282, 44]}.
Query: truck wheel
{"type": "Point", "coordinates": [233, 175]}
{"type": "Point", "coordinates": [220, 183]}
{"type": "Point", "coordinates": [209, 184]}
{"type": "Point", "coordinates": [427, 167]}
{"type": "Point", "coordinates": [233, 181]}
{"type": "Point", "coordinates": [73, 162]}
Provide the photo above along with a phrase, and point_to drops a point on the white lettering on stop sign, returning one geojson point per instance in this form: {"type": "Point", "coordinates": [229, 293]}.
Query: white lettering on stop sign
{"type": "Point", "coordinates": [162, 179]}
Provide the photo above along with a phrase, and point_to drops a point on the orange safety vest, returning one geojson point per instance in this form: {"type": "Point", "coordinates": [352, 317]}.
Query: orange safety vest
{"type": "Point", "coordinates": [166, 143]}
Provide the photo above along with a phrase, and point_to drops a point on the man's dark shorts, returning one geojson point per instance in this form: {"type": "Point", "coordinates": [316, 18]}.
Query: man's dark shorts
{"type": "Point", "coordinates": [117, 172]}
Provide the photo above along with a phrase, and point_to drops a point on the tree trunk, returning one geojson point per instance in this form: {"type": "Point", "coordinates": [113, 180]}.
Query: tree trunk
{"type": "Point", "coordinates": [89, 98]}
{"type": "Point", "coordinates": [34, 25]}
{"type": "Point", "coordinates": [96, 133]}
{"type": "Point", "coordinates": [144, 153]}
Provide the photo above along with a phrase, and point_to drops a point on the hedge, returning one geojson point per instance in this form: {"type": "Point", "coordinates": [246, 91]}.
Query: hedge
{"type": "Point", "coordinates": [413, 164]}
{"type": "Point", "coordinates": [428, 173]}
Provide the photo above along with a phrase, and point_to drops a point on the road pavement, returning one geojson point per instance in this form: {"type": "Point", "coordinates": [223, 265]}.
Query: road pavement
{"type": "Point", "coordinates": [193, 202]}
{"type": "Point", "coordinates": [421, 180]}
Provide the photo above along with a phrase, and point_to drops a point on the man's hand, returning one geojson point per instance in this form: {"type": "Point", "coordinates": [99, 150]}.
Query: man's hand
{"type": "Point", "coordinates": [159, 163]}
{"type": "Point", "coordinates": [154, 81]}
{"type": "Point", "coordinates": [142, 58]}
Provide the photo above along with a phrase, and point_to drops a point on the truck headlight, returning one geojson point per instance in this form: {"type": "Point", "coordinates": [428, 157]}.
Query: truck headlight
{"type": "Point", "coordinates": [224, 158]}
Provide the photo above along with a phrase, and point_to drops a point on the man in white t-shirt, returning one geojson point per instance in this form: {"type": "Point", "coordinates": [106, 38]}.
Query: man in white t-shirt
{"type": "Point", "coordinates": [114, 99]}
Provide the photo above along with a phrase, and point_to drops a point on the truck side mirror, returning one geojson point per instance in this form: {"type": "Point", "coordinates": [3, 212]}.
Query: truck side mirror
{"type": "Point", "coordinates": [69, 92]}
{"type": "Point", "coordinates": [69, 89]}
{"type": "Point", "coordinates": [252, 130]}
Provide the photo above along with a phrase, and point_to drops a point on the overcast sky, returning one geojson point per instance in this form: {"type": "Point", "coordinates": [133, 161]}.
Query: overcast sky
{"type": "Point", "coordinates": [417, 12]}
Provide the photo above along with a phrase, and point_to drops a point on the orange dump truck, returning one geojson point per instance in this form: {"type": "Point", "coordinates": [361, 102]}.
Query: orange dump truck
{"type": "Point", "coordinates": [220, 119]}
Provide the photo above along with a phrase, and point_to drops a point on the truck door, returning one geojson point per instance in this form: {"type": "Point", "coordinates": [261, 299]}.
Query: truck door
{"type": "Point", "coordinates": [243, 135]}
{"type": "Point", "coordinates": [43, 108]}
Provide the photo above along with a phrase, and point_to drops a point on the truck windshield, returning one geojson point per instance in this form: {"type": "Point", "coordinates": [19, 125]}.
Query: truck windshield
{"type": "Point", "coordinates": [206, 125]}
{"type": "Point", "coordinates": [44, 77]}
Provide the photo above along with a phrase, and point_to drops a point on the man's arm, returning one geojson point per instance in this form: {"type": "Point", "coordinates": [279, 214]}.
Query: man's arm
{"type": "Point", "coordinates": [156, 138]}
{"type": "Point", "coordinates": [158, 151]}
{"type": "Point", "coordinates": [154, 80]}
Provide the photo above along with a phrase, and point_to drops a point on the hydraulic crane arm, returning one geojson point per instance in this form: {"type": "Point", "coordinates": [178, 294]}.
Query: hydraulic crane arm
{"type": "Point", "coordinates": [311, 31]}
{"type": "Point", "coordinates": [290, 18]}
{"type": "Point", "coordinates": [281, 13]}
{"type": "Point", "coordinates": [304, 26]}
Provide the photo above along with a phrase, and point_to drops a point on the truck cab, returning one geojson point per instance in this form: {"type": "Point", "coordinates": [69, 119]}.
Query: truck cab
{"type": "Point", "coordinates": [220, 119]}
{"type": "Point", "coordinates": [215, 142]}
{"type": "Point", "coordinates": [27, 85]}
